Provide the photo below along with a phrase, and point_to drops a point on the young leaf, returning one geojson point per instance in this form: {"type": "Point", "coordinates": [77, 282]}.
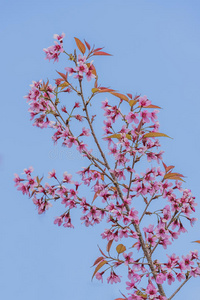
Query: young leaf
{"type": "Point", "coordinates": [196, 242]}
{"type": "Point", "coordinates": [64, 85]}
{"type": "Point", "coordinates": [120, 248]}
{"type": "Point", "coordinates": [171, 175]}
{"type": "Point", "coordinates": [121, 96]}
{"type": "Point", "coordinates": [130, 95]}
{"type": "Point", "coordinates": [134, 245]}
{"type": "Point", "coordinates": [132, 102]}
{"type": "Point", "coordinates": [175, 176]}
{"type": "Point", "coordinates": [99, 266]}
{"type": "Point", "coordinates": [105, 90]}
{"type": "Point", "coordinates": [109, 245]}
{"type": "Point", "coordinates": [156, 134]}
{"type": "Point", "coordinates": [151, 106]}
{"type": "Point", "coordinates": [97, 49]}
{"type": "Point", "coordinates": [95, 90]}
{"type": "Point", "coordinates": [95, 196]}
{"type": "Point", "coordinates": [167, 169]}
{"type": "Point", "coordinates": [88, 45]}
{"type": "Point", "coordinates": [101, 53]}
{"type": "Point", "coordinates": [98, 260]}
{"type": "Point", "coordinates": [164, 165]}
{"type": "Point", "coordinates": [80, 45]}
{"type": "Point", "coordinates": [118, 136]}
{"type": "Point", "coordinates": [101, 251]}
{"type": "Point", "coordinates": [64, 76]}
{"type": "Point", "coordinates": [102, 176]}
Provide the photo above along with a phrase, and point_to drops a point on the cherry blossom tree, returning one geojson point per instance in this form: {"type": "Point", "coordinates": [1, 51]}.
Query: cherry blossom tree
{"type": "Point", "coordinates": [145, 209]}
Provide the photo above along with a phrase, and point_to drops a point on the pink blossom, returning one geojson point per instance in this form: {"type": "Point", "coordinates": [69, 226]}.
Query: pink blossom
{"type": "Point", "coordinates": [58, 220]}
{"type": "Point", "coordinates": [128, 259]}
{"type": "Point", "coordinates": [151, 291]}
{"type": "Point", "coordinates": [160, 278]}
{"type": "Point", "coordinates": [143, 101]}
{"type": "Point", "coordinates": [113, 278]}
{"type": "Point", "coordinates": [52, 174]}
{"type": "Point", "coordinates": [170, 278]}
{"type": "Point", "coordinates": [99, 276]}
{"type": "Point", "coordinates": [67, 177]}
{"type": "Point", "coordinates": [132, 117]}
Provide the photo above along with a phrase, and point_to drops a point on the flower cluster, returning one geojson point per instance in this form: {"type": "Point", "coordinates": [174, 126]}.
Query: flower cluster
{"type": "Point", "coordinates": [121, 195]}
{"type": "Point", "coordinates": [54, 51]}
{"type": "Point", "coordinates": [82, 68]}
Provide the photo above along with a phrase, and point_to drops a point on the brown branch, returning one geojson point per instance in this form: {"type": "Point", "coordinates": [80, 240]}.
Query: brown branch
{"type": "Point", "coordinates": [178, 289]}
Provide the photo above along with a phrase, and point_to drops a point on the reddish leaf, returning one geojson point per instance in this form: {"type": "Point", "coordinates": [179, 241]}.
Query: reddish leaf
{"type": "Point", "coordinates": [88, 45]}
{"type": "Point", "coordinates": [134, 245]}
{"type": "Point", "coordinates": [120, 299]}
{"type": "Point", "coordinates": [80, 45]}
{"type": "Point", "coordinates": [102, 252]}
{"type": "Point", "coordinates": [130, 95]}
{"type": "Point", "coordinates": [109, 245]}
{"type": "Point", "coordinates": [96, 83]}
{"type": "Point", "coordinates": [196, 242]}
{"type": "Point", "coordinates": [101, 53]}
{"type": "Point", "coordinates": [113, 188]}
{"type": "Point", "coordinates": [170, 175]}
{"type": "Point", "coordinates": [151, 106]}
{"type": "Point", "coordinates": [105, 90]}
{"type": "Point", "coordinates": [121, 96]}
{"type": "Point", "coordinates": [100, 265]}
{"type": "Point", "coordinates": [97, 49]}
{"type": "Point", "coordinates": [169, 168]}
{"type": "Point", "coordinates": [164, 165]}
{"type": "Point", "coordinates": [98, 260]}
{"type": "Point", "coordinates": [139, 126]}
{"type": "Point", "coordinates": [95, 196]}
{"type": "Point", "coordinates": [64, 76]}
{"type": "Point", "coordinates": [102, 90]}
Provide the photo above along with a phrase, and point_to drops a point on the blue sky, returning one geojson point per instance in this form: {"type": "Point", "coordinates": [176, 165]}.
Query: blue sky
{"type": "Point", "coordinates": [156, 52]}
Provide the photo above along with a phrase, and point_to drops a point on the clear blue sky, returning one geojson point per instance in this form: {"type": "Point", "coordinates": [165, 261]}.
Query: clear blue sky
{"type": "Point", "coordinates": [156, 48]}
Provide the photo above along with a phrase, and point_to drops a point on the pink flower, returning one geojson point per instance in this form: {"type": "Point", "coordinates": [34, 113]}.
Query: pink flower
{"type": "Point", "coordinates": [67, 177]}
{"type": "Point", "coordinates": [52, 174]}
{"type": "Point", "coordinates": [180, 276]}
{"type": "Point", "coordinates": [128, 259]}
{"type": "Point", "coordinates": [58, 220]}
{"type": "Point", "coordinates": [143, 101]}
{"type": "Point", "coordinates": [160, 278]}
{"type": "Point", "coordinates": [70, 70]}
{"type": "Point", "coordinates": [82, 68]}
{"type": "Point", "coordinates": [187, 261]}
{"type": "Point", "coordinates": [113, 278]}
{"type": "Point", "coordinates": [151, 291]}
{"type": "Point", "coordinates": [99, 276]}
{"type": "Point", "coordinates": [170, 278]}
{"type": "Point", "coordinates": [59, 37]}
{"type": "Point", "coordinates": [145, 116]}
{"type": "Point", "coordinates": [132, 117]}
{"type": "Point", "coordinates": [17, 179]}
